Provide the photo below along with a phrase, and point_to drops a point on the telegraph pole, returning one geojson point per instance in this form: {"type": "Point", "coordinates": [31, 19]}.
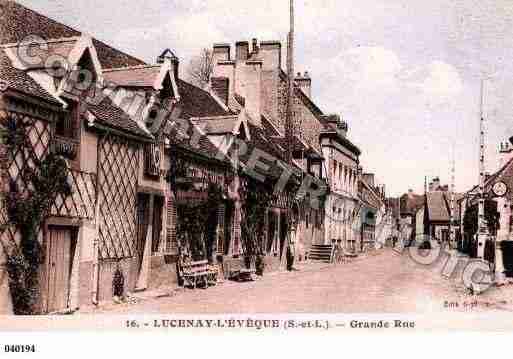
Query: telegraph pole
{"type": "Point", "coordinates": [452, 233]}
{"type": "Point", "coordinates": [289, 122]}
{"type": "Point", "coordinates": [482, 228]}
{"type": "Point", "coordinates": [289, 131]}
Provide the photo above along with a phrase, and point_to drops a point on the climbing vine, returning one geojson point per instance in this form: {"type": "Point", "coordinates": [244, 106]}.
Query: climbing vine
{"type": "Point", "coordinates": [197, 223]}
{"type": "Point", "coordinates": [257, 201]}
{"type": "Point", "coordinates": [27, 206]}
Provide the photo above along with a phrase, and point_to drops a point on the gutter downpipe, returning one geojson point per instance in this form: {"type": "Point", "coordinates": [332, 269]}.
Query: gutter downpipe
{"type": "Point", "coordinates": [96, 267]}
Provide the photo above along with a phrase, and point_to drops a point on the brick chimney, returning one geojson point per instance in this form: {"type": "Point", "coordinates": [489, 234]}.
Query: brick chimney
{"type": "Point", "coordinates": [221, 87]}
{"type": "Point", "coordinates": [305, 83]}
{"type": "Point", "coordinates": [270, 54]}
{"type": "Point", "coordinates": [241, 50]}
{"type": "Point", "coordinates": [221, 52]}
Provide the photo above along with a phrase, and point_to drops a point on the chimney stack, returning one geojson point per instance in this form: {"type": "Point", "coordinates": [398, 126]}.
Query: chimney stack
{"type": "Point", "coordinates": [305, 83]}
{"type": "Point", "coordinates": [241, 50]}
{"type": "Point", "coordinates": [221, 87]}
{"type": "Point", "coordinates": [221, 52]}
{"type": "Point", "coordinates": [270, 54]}
{"type": "Point", "coordinates": [254, 47]}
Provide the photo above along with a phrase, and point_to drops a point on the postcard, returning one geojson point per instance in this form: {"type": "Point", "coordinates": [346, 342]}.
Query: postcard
{"type": "Point", "coordinates": [255, 166]}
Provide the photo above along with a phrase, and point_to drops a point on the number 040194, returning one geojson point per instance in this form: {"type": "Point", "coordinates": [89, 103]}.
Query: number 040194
{"type": "Point", "coordinates": [12, 348]}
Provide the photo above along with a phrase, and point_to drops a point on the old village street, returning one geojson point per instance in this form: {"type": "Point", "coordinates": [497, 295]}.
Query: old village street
{"type": "Point", "coordinates": [382, 282]}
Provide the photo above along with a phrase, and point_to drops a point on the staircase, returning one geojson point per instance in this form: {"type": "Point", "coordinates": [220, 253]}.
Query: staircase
{"type": "Point", "coordinates": [320, 252]}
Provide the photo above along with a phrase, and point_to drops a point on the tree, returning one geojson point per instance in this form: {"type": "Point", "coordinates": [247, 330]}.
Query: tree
{"type": "Point", "coordinates": [200, 68]}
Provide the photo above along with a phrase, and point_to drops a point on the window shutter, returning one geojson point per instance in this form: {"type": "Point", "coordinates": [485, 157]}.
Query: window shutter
{"type": "Point", "coordinates": [153, 158]}
{"type": "Point", "coordinates": [220, 225]}
{"type": "Point", "coordinates": [171, 243]}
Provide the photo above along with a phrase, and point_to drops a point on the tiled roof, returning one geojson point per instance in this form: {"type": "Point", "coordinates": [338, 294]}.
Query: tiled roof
{"type": "Point", "coordinates": [140, 76]}
{"type": "Point", "coordinates": [108, 114]}
{"type": "Point", "coordinates": [438, 205]}
{"type": "Point", "coordinates": [196, 102]}
{"type": "Point", "coordinates": [203, 146]}
{"type": "Point", "coordinates": [19, 81]}
{"type": "Point", "coordinates": [260, 140]}
{"type": "Point", "coordinates": [17, 22]}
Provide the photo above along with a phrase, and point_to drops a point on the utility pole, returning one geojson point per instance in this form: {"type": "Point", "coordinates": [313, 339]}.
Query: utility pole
{"type": "Point", "coordinates": [289, 126]}
{"type": "Point", "coordinates": [289, 122]}
{"type": "Point", "coordinates": [482, 228]}
{"type": "Point", "coordinates": [452, 233]}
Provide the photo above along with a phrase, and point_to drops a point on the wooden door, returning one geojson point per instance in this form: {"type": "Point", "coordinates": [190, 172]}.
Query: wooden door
{"type": "Point", "coordinates": [59, 273]}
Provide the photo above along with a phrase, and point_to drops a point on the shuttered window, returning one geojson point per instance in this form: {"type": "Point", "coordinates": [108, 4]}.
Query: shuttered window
{"type": "Point", "coordinates": [171, 243]}
{"type": "Point", "coordinates": [221, 212]}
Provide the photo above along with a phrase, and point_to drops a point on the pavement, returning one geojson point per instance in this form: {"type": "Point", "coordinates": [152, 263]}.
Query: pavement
{"type": "Point", "coordinates": [384, 281]}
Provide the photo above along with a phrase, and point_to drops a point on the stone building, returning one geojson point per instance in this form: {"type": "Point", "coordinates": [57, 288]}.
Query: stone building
{"type": "Point", "coordinates": [373, 225]}
{"type": "Point", "coordinates": [253, 79]}
{"type": "Point", "coordinates": [499, 248]}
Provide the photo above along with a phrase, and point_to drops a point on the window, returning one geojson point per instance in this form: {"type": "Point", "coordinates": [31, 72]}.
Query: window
{"type": "Point", "coordinates": [67, 124]}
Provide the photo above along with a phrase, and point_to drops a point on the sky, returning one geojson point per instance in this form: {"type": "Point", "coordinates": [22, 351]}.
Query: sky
{"type": "Point", "coordinates": [404, 74]}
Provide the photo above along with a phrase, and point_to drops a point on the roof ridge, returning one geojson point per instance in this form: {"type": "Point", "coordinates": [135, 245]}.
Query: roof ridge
{"type": "Point", "coordinates": [45, 41]}
{"type": "Point", "coordinates": [73, 31]}
{"type": "Point", "coordinates": [127, 68]}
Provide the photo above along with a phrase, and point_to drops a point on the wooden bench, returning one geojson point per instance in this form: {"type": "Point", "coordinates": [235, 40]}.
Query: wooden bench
{"type": "Point", "coordinates": [198, 272]}
{"type": "Point", "coordinates": [239, 273]}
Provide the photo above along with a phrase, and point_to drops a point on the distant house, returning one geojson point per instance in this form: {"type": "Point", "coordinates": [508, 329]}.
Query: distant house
{"type": "Point", "coordinates": [437, 215]}
{"type": "Point", "coordinates": [372, 212]}
{"type": "Point", "coordinates": [404, 212]}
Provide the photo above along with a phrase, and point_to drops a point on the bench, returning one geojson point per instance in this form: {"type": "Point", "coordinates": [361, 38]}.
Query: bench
{"type": "Point", "coordinates": [198, 272]}
{"type": "Point", "coordinates": [241, 274]}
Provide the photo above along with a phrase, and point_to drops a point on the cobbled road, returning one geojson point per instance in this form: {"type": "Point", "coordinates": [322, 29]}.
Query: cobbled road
{"type": "Point", "coordinates": [385, 282]}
